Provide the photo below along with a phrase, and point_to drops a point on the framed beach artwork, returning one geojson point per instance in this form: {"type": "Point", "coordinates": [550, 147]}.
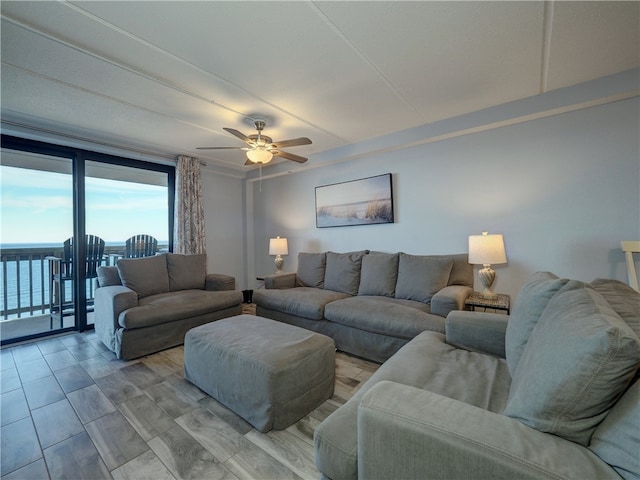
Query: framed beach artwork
{"type": "Point", "coordinates": [359, 202]}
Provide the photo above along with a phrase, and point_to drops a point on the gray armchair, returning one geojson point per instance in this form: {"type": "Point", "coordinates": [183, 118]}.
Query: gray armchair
{"type": "Point", "coordinates": [550, 392]}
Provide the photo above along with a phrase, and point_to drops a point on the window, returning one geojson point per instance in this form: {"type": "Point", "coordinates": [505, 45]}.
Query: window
{"type": "Point", "coordinates": [52, 193]}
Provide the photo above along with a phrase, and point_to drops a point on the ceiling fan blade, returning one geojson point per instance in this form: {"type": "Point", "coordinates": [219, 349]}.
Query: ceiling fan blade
{"type": "Point", "coordinates": [238, 134]}
{"type": "Point", "coordinates": [294, 142]}
{"type": "Point", "coordinates": [289, 156]}
{"type": "Point", "coordinates": [219, 148]}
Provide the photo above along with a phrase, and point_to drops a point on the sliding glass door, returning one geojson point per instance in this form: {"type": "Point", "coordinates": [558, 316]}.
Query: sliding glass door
{"type": "Point", "coordinates": [52, 195]}
{"type": "Point", "coordinates": [36, 215]}
{"type": "Point", "coordinates": [126, 204]}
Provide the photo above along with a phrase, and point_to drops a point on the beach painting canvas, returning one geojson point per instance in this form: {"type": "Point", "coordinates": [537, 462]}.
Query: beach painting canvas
{"type": "Point", "coordinates": [360, 202]}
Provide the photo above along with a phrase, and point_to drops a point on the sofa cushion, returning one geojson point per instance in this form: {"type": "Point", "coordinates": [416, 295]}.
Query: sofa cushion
{"type": "Point", "coordinates": [145, 276]}
{"type": "Point", "coordinates": [343, 272]}
{"type": "Point", "coordinates": [172, 306]}
{"type": "Point", "coordinates": [186, 272]}
{"type": "Point", "coordinates": [624, 300]}
{"type": "Point", "coordinates": [379, 274]}
{"type": "Point", "coordinates": [108, 276]}
{"type": "Point", "coordinates": [461, 271]}
{"type": "Point", "coordinates": [311, 269]}
{"type": "Point", "coordinates": [306, 302]}
{"type": "Point", "coordinates": [530, 302]}
{"type": "Point", "coordinates": [617, 438]}
{"type": "Point", "coordinates": [383, 315]}
{"type": "Point", "coordinates": [578, 360]}
{"type": "Point", "coordinates": [422, 276]}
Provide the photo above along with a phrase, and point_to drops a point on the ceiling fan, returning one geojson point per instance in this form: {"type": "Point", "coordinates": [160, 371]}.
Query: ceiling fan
{"type": "Point", "coordinates": [261, 148]}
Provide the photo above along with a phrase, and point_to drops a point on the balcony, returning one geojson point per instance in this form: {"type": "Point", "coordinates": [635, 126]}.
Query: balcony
{"type": "Point", "coordinates": [24, 290]}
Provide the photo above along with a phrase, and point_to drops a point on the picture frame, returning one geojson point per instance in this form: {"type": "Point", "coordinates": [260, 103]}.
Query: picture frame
{"type": "Point", "coordinates": [366, 201]}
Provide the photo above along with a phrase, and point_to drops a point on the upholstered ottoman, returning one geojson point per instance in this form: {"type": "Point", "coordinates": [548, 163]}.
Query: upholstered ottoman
{"type": "Point", "coordinates": [270, 373]}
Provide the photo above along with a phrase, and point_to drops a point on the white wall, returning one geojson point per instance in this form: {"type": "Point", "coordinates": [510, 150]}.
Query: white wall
{"type": "Point", "coordinates": [223, 209]}
{"type": "Point", "coordinates": [563, 190]}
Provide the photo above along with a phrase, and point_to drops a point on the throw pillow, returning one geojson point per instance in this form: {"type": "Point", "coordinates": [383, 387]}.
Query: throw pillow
{"type": "Point", "coordinates": [186, 272]}
{"type": "Point", "coordinates": [311, 269]}
{"type": "Point", "coordinates": [146, 276]}
{"type": "Point", "coordinates": [379, 274]}
{"type": "Point", "coordinates": [108, 276]}
{"type": "Point", "coordinates": [343, 272]}
{"type": "Point", "coordinates": [529, 305]}
{"type": "Point", "coordinates": [420, 277]}
{"type": "Point", "coordinates": [579, 359]}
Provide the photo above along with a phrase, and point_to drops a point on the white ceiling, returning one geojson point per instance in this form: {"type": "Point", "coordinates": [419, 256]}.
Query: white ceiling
{"type": "Point", "coordinates": [165, 77]}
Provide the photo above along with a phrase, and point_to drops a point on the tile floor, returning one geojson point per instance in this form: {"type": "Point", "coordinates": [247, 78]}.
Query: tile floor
{"type": "Point", "coordinates": [69, 409]}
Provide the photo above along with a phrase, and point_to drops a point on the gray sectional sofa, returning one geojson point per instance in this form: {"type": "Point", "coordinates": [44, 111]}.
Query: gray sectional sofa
{"type": "Point", "coordinates": [551, 392]}
{"type": "Point", "coordinates": [370, 303]}
{"type": "Point", "coordinates": [144, 305]}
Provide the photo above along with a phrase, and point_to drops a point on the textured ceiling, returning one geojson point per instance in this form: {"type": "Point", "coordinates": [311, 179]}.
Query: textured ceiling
{"type": "Point", "coordinates": [166, 77]}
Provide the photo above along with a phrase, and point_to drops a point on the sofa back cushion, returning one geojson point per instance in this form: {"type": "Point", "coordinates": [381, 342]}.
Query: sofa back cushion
{"type": "Point", "coordinates": [420, 277]}
{"type": "Point", "coordinates": [146, 276]}
{"type": "Point", "coordinates": [461, 271]}
{"type": "Point", "coordinates": [186, 272]}
{"type": "Point", "coordinates": [579, 359]}
{"type": "Point", "coordinates": [108, 276]}
{"type": "Point", "coordinates": [311, 269]}
{"type": "Point", "coordinates": [343, 272]}
{"type": "Point", "coordinates": [379, 274]}
{"type": "Point", "coordinates": [622, 298]}
{"type": "Point", "coordinates": [617, 438]}
{"type": "Point", "coordinates": [529, 305]}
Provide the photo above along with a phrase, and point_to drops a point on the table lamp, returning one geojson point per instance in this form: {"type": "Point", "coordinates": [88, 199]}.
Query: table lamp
{"type": "Point", "coordinates": [278, 247]}
{"type": "Point", "coordinates": [486, 250]}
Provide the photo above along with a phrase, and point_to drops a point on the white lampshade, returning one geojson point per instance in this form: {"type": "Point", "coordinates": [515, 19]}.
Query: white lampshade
{"type": "Point", "coordinates": [278, 246]}
{"type": "Point", "coordinates": [486, 249]}
{"type": "Point", "coordinates": [259, 155]}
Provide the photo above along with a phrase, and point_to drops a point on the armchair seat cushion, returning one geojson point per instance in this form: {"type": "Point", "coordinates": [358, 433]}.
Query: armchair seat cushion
{"type": "Point", "coordinates": [172, 306]}
{"type": "Point", "coordinates": [304, 302]}
{"type": "Point", "coordinates": [375, 314]}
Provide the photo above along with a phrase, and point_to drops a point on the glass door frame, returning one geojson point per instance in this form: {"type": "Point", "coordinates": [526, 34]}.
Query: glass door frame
{"type": "Point", "coordinates": [78, 158]}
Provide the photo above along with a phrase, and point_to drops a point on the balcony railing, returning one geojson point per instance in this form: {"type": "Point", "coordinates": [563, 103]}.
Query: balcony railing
{"type": "Point", "coordinates": [24, 286]}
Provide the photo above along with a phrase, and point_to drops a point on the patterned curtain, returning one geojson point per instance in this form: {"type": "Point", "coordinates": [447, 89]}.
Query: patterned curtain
{"type": "Point", "coordinates": [189, 234]}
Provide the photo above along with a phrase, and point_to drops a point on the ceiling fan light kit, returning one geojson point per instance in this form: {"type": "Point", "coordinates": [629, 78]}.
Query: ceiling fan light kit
{"type": "Point", "coordinates": [261, 148]}
{"type": "Point", "coordinates": [259, 155]}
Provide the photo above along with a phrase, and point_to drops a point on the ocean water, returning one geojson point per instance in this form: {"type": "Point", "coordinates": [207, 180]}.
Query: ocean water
{"type": "Point", "coordinates": [31, 287]}
{"type": "Point", "coordinates": [29, 279]}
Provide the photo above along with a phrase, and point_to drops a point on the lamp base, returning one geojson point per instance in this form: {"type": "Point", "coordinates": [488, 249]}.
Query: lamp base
{"type": "Point", "coordinates": [487, 276]}
{"type": "Point", "coordinates": [279, 261]}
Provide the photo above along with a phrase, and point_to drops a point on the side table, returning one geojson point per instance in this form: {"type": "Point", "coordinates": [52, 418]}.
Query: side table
{"type": "Point", "coordinates": [476, 300]}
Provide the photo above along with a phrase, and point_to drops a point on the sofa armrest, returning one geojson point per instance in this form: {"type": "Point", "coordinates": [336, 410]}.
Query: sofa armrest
{"type": "Point", "coordinates": [108, 303]}
{"type": "Point", "coordinates": [408, 433]}
{"type": "Point", "coordinates": [449, 298]}
{"type": "Point", "coordinates": [280, 280]}
{"type": "Point", "coordinates": [477, 331]}
{"type": "Point", "coordinates": [219, 282]}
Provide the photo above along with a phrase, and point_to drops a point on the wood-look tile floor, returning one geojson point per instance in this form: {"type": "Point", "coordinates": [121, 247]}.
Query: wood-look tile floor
{"type": "Point", "coordinates": [70, 409]}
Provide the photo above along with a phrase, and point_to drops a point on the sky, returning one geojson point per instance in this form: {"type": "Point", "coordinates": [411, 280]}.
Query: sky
{"type": "Point", "coordinates": [37, 207]}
